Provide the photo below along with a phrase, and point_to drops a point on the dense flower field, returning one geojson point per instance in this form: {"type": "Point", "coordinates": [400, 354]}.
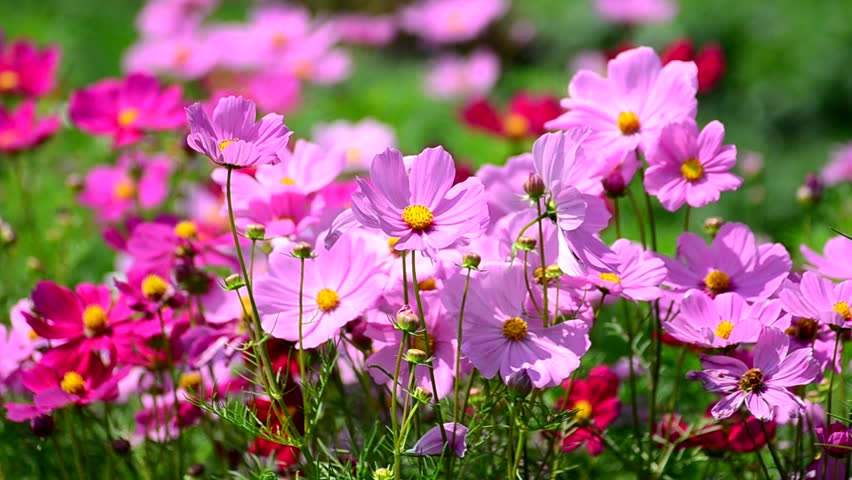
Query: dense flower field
{"type": "Point", "coordinates": [221, 293]}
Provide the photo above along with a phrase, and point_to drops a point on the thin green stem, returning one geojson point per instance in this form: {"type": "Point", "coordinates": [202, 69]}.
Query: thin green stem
{"type": "Point", "coordinates": [639, 220]}
{"type": "Point", "coordinates": [456, 404]}
{"type": "Point", "coordinates": [772, 451]}
{"type": "Point", "coordinates": [686, 219]}
{"type": "Point", "coordinates": [634, 404]}
{"type": "Point", "coordinates": [397, 458]}
{"type": "Point", "coordinates": [176, 403]}
{"type": "Point", "coordinates": [617, 214]}
{"type": "Point", "coordinates": [302, 377]}
{"type": "Point", "coordinates": [404, 280]}
{"type": "Point", "coordinates": [831, 379]}
{"type": "Point", "coordinates": [75, 446]}
{"type": "Point", "coordinates": [528, 284]}
{"type": "Point", "coordinates": [756, 450]}
{"type": "Point", "coordinates": [545, 307]}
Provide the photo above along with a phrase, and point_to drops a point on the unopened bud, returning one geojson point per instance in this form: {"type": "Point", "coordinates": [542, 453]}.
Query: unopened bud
{"type": "Point", "coordinates": [526, 242]}
{"type": "Point", "coordinates": [255, 231]}
{"type": "Point", "coordinates": [7, 235]}
{"type": "Point", "coordinates": [415, 356]}
{"type": "Point", "coordinates": [42, 426]}
{"type": "Point", "coordinates": [75, 183]}
{"type": "Point", "coordinates": [196, 470]}
{"type": "Point", "coordinates": [407, 320]}
{"type": "Point", "coordinates": [553, 271]}
{"type": "Point", "coordinates": [520, 383]}
{"type": "Point", "coordinates": [534, 186]}
{"type": "Point", "coordinates": [233, 282]}
{"type": "Point", "coordinates": [34, 264]}
{"type": "Point", "coordinates": [422, 395]}
{"type": "Point", "coordinates": [471, 260]}
{"type": "Point", "coordinates": [120, 446]}
{"type": "Point", "coordinates": [613, 184]}
{"type": "Point", "coordinates": [810, 192]}
{"type": "Point", "coordinates": [712, 226]}
{"type": "Point", "coordinates": [303, 250]}
{"type": "Point", "coordinates": [383, 474]}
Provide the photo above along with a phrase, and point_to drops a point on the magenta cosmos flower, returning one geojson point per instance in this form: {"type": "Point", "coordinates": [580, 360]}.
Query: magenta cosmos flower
{"type": "Point", "coordinates": [561, 162]}
{"type": "Point", "coordinates": [763, 389]}
{"type": "Point", "coordinates": [125, 109]}
{"type": "Point", "coordinates": [340, 284]}
{"type": "Point", "coordinates": [820, 299]}
{"type": "Point", "coordinates": [691, 167]}
{"type": "Point", "coordinates": [638, 273]}
{"type": "Point", "coordinates": [450, 21]}
{"type": "Point", "coordinates": [113, 191]}
{"type": "Point", "coordinates": [26, 70]}
{"type": "Point", "coordinates": [21, 130]}
{"type": "Point", "coordinates": [232, 136]}
{"type": "Point", "coordinates": [734, 262]}
{"type": "Point", "coordinates": [629, 108]}
{"type": "Point", "coordinates": [831, 263]}
{"type": "Point", "coordinates": [500, 335]}
{"type": "Point", "coordinates": [636, 11]}
{"type": "Point", "coordinates": [422, 208]}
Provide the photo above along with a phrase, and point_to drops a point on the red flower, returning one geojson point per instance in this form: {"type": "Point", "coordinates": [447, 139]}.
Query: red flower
{"type": "Point", "coordinates": [286, 455]}
{"type": "Point", "coordinates": [710, 61]}
{"type": "Point", "coordinates": [595, 400]}
{"type": "Point", "coordinates": [731, 434]}
{"type": "Point", "coordinates": [525, 117]}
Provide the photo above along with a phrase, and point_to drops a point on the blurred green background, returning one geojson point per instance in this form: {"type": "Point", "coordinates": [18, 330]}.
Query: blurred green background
{"type": "Point", "coordinates": [787, 94]}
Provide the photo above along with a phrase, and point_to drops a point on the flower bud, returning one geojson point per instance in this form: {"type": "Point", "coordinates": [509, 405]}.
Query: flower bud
{"type": "Point", "coordinates": [303, 250]}
{"type": "Point", "coordinates": [415, 356]}
{"type": "Point", "coordinates": [233, 282]}
{"type": "Point", "coordinates": [7, 235]}
{"type": "Point", "coordinates": [42, 426]}
{"type": "Point", "coordinates": [520, 384]}
{"type": "Point", "coordinates": [526, 243]}
{"type": "Point", "coordinates": [712, 226]}
{"type": "Point", "coordinates": [534, 186]}
{"type": "Point", "coordinates": [255, 231]}
{"type": "Point", "coordinates": [34, 264]}
{"type": "Point", "coordinates": [120, 446]}
{"type": "Point", "coordinates": [810, 192]}
{"type": "Point", "coordinates": [75, 183]}
{"type": "Point", "coordinates": [422, 395]}
{"type": "Point", "coordinates": [471, 260]}
{"type": "Point", "coordinates": [407, 320]}
{"type": "Point", "coordinates": [195, 470]}
{"type": "Point", "coordinates": [383, 474]}
{"type": "Point", "coordinates": [553, 271]}
{"type": "Point", "coordinates": [613, 184]}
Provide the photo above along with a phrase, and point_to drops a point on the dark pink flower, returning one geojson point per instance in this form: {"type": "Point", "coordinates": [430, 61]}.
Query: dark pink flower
{"type": "Point", "coordinates": [26, 70]}
{"type": "Point", "coordinates": [115, 191]}
{"type": "Point", "coordinates": [21, 130]}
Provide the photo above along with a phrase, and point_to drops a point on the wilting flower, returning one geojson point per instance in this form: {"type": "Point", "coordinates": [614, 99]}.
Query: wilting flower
{"type": "Point", "coordinates": [710, 61]}
{"type": "Point", "coordinates": [422, 208]}
{"type": "Point", "coordinates": [125, 109]}
{"type": "Point", "coordinates": [691, 167]}
{"type": "Point", "coordinates": [525, 116]}
{"type": "Point", "coordinates": [462, 77]}
{"type": "Point", "coordinates": [636, 11]}
{"type": "Point", "coordinates": [595, 404]}
{"type": "Point", "coordinates": [21, 130]}
{"type": "Point", "coordinates": [432, 443]}
{"type": "Point", "coordinates": [340, 284]}
{"type": "Point", "coordinates": [829, 263]}
{"type": "Point", "coordinates": [502, 337]}
{"type": "Point", "coordinates": [357, 142]}
{"type": "Point", "coordinates": [839, 169]}
{"type": "Point", "coordinates": [734, 262]}
{"type": "Point", "coordinates": [818, 298]}
{"type": "Point", "coordinates": [113, 191]}
{"type": "Point", "coordinates": [232, 136]}
{"type": "Point", "coordinates": [628, 109]}
{"type": "Point", "coordinates": [763, 389]}
{"type": "Point", "coordinates": [727, 319]}
{"type": "Point", "coordinates": [450, 21]}
{"type": "Point", "coordinates": [26, 70]}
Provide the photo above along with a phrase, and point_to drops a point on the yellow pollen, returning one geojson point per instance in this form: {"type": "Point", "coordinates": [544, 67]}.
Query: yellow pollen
{"type": "Point", "coordinates": [125, 189]}
{"type": "Point", "coordinates": [582, 410]}
{"type": "Point", "coordinates": [628, 123]}
{"type": "Point", "coordinates": [287, 181]}
{"type": "Point", "coordinates": [692, 170]}
{"type": "Point", "coordinates": [610, 277]}
{"type": "Point", "coordinates": [186, 230]}
{"type": "Point", "coordinates": [418, 343]}
{"type": "Point", "coordinates": [94, 319]}
{"type": "Point", "coordinates": [842, 309]}
{"type": "Point", "coordinates": [515, 329]}
{"type": "Point", "coordinates": [73, 383]}
{"type": "Point", "coordinates": [717, 282]}
{"type": "Point", "coordinates": [33, 335]}
{"type": "Point", "coordinates": [190, 381]}
{"type": "Point", "coordinates": [392, 241]}
{"type": "Point", "coordinates": [724, 329]}
{"type": "Point", "coordinates": [751, 380]}
{"type": "Point", "coordinates": [327, 300]}
{"type": "Point", "coordinates": [418, 217]}
{"type": "Point", "coordinates": [225, 143]}
{"type": "Point", "coordinates": [353, 155]}
{"type": "Point", "coordinates": [515, 125]}
{"type": "Point", "coordinates": [427, 285]}
{"type": "Point", "coordinates": [279, 40]}
{"type": "Point", "coordinates": [154, 287]}
{"type": "Point", "coordinates": [9, 80]}
{"type": "Point", "coordinates": [182, 55]}
{"type": "Point", "coordinates": [127, 116]}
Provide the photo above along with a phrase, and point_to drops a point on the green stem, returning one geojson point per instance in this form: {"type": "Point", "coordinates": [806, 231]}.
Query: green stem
{"type": "Point", "coordinates": [831, 379]}
{"type": "Point", "coordinates": [527, 283]}
{"type": "Point", "coordinates": [634, 404]}
{"type": "Point", "coordinates": [756, 450]}
{"type": "Point", "coordinates": [545, 307]}
{"type": "Point", "coordinates": [617, 214]}
{"type": "Point", "coordinates": [686, 219]}
{"type": "Point", "coordinates": [75, 446]}
{"type": "Point", "coordinates": [302, 377]}
{"type": "Point", "coordinates": [404, 280]}
{"type": "Point", "coordinates": [176, 406]}
{"type": "Point", "coordinates": [458, 348]}
{"type": "Point", "coordinates": [639, 221]}
{"type": "Point", "coordinates": [397, 459]}
{"type": "Point", "coordinates": [772, 451]}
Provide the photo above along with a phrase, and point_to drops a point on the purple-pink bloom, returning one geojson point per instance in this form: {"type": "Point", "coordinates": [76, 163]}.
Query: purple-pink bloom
{"type": "Point", "coordinates": [839, 169]}
{"type": "Point", "coordinates": [637, 275]}
{"type": "Point", "coordinates": [340, 285]}
{"type": "Point", "coordinates": [21, 130]}
{"type": "Point", "coordinates": [503, 185]}
{"type": "Point", "coordinates": [629, 108]}
{"type": "Point", "coordinates": [450, 21]}
{"type": "Point", "coordinates": [763, 389]}
{"type": "Point", "coordinates": [636, 11]}
{"type": "Point", "coordinates": [114, 191]}
{"type": "Point", "coordinates": [734, 262]}
{"type": "Point", "coordinates": [502, 337]}
{"type": "Point", "coordinates": [232, 136]}
{"type": "Point", "coordinates": [691, 167]}
{"type": "Point", "coordinates": [357, 143]}
{"type": "Point", "coordinates": [837, 439]}
{"type": "Point", "coordinates": [165, 18]}
{"type": "Point", "coordinates": [831, 263]}
{"type": "Point", "coordinates": [187, 55]}
{"type": "Point", "coordinates": [722, 321]}
{"type": "Point", "coordinates": [362, 29]}
{"type": "Point", "coordinates": [26, 70]}
{"type": "Point", "coordinates": [307, 169]}
{"type": "Point", "coordinates": [432, 443]}
{"type": "Point", "coordinates": [452, 76]}
{"type": "Point", "coordinates": [422, 208]}
{"type": "Point", "coordinates": [820, 299]}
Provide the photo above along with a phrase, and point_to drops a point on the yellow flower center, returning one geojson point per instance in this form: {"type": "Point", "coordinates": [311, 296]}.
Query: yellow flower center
{"type": "Point", "coordinates": [279, 40]}
{"type": "Point", "coordinates": [154, 287]}
{"type": "Point", "coordinates": [392, 241]}
{"type": "Point", "coordinates": [692, 169]}
{"type": "Point", "coordinates": [583, 410]}
{"type": "Point", "coordinates": [427, 285]}
{"type": "Point", "coordinates": [225, 143]}
{"type": "Point", "coordinates": [94, 319]}
{"type": "Point", "coordinates": [125, 189]}
{"type": "Point", "coordinates": [418, 217]}
{"type": "Point", "coordinates": [724, 329]}
{"type": "Point", "coordinates": [9, 80]}
{"type": "Point", "coordinates": [287, 181]}
{"type": "Point", "coordinates": [353, 155]}
{"type": "Point", "coordinates": [515, 329]}
{"type": "Point", "coordinates": [190, 381]}
{"type": "Point", "coordinates": [186, 230]}
{"type": "Point", "coordinates": [628, 123]}
{"type": "Point", "coordinates": [751, 380]}
{"type": "Point", "coordinates": [717, 282]}
{"type": "Point", "coordinates": [419, 344]}
{"type": "Point", "coordinates": [327, 300]}
{"type": "Point", "coordinates": [515, 125]}
{"type": "Point", "coordinates": [842, 309]}
{"type": "Point", "coordinates": [73, 383]}
{"type": "Point", "coordinates": [610, 277]}
{"type": "Point", "coordinates": [33, 335]}
{"type": "Point", "coordinates": [127, 116]}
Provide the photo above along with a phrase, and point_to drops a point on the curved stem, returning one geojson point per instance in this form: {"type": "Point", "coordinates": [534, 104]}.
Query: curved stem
{"type": "Point", "coordinates": [775, 457]}
{"type": "Point", "coordinates": [397, 459]}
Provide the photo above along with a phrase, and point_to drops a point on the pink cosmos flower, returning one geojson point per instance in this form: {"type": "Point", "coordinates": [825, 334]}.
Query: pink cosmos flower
{"type": "Point", "coordinates": [628, 109]}
{"type": "Point", "coordinates": [273, 91]}
{"type": "Point", "coordinates": [763, 389]}
{"type": "Point", "coordinates": [838, 247]}
{"type": "Point", "coordinates": [691, 167]}
{"type": "Point", "coordinates": [562, 164]}
{"type": "Point", "coordinates": [307, 169]}
{"type": "Point", "coordinates": [450, 21]}
{"type": "Point", "coordinates": [734, 262]}
{"type": "Point", "coordinates": [164, 18]}
{"type": "Point", "coordinates": [811, 334]}
{"type": "Point", "coordinates": [722, 321]}
{"type": "Point", "coordinates": [820, 299]}
{"type": "Point", "coordinates": [592, 60]}
{"type": "Point", "coordinates": [18, 344]}
{"type": "Point", "coordinates": [187, 55]}
{"type": "Point", "coordinates": [638, 274]}
{"type": "Point", "coordinates": [125, 109]}
{"type": "Point", "coordinates": [839, 169]}
{"type": "Point", "coordinates": [422, 208]}
{"type": "Point", "coordinates": [26, 70]}
{"type": "Point", "coordinates": [21, 130]}
{"type": "Point", "coordinates": [361, 29]}
{"type": "Point", "coordinates": [500, 335]}
{"type": "Point", "coordinates": [283, 213]}
{"type": "Point", "coordinates": [432, 442]}
{"type": "Point", "coordinates": [316, 59]}
{"type": "Point", "coordinates": [459, 77]}
{"type": "Point", "coordinates": [504, 185]}
{"type": "Point", "coordinates": [636, 11]}
{"type": "Point", "coordinates": [357, 143]}
{"type": "Point", "coordinates": [340, 284]}
{"type": "Point", "coordinates": [113, 191]}
{"type": "Point", "coordinates": [232, 136]}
